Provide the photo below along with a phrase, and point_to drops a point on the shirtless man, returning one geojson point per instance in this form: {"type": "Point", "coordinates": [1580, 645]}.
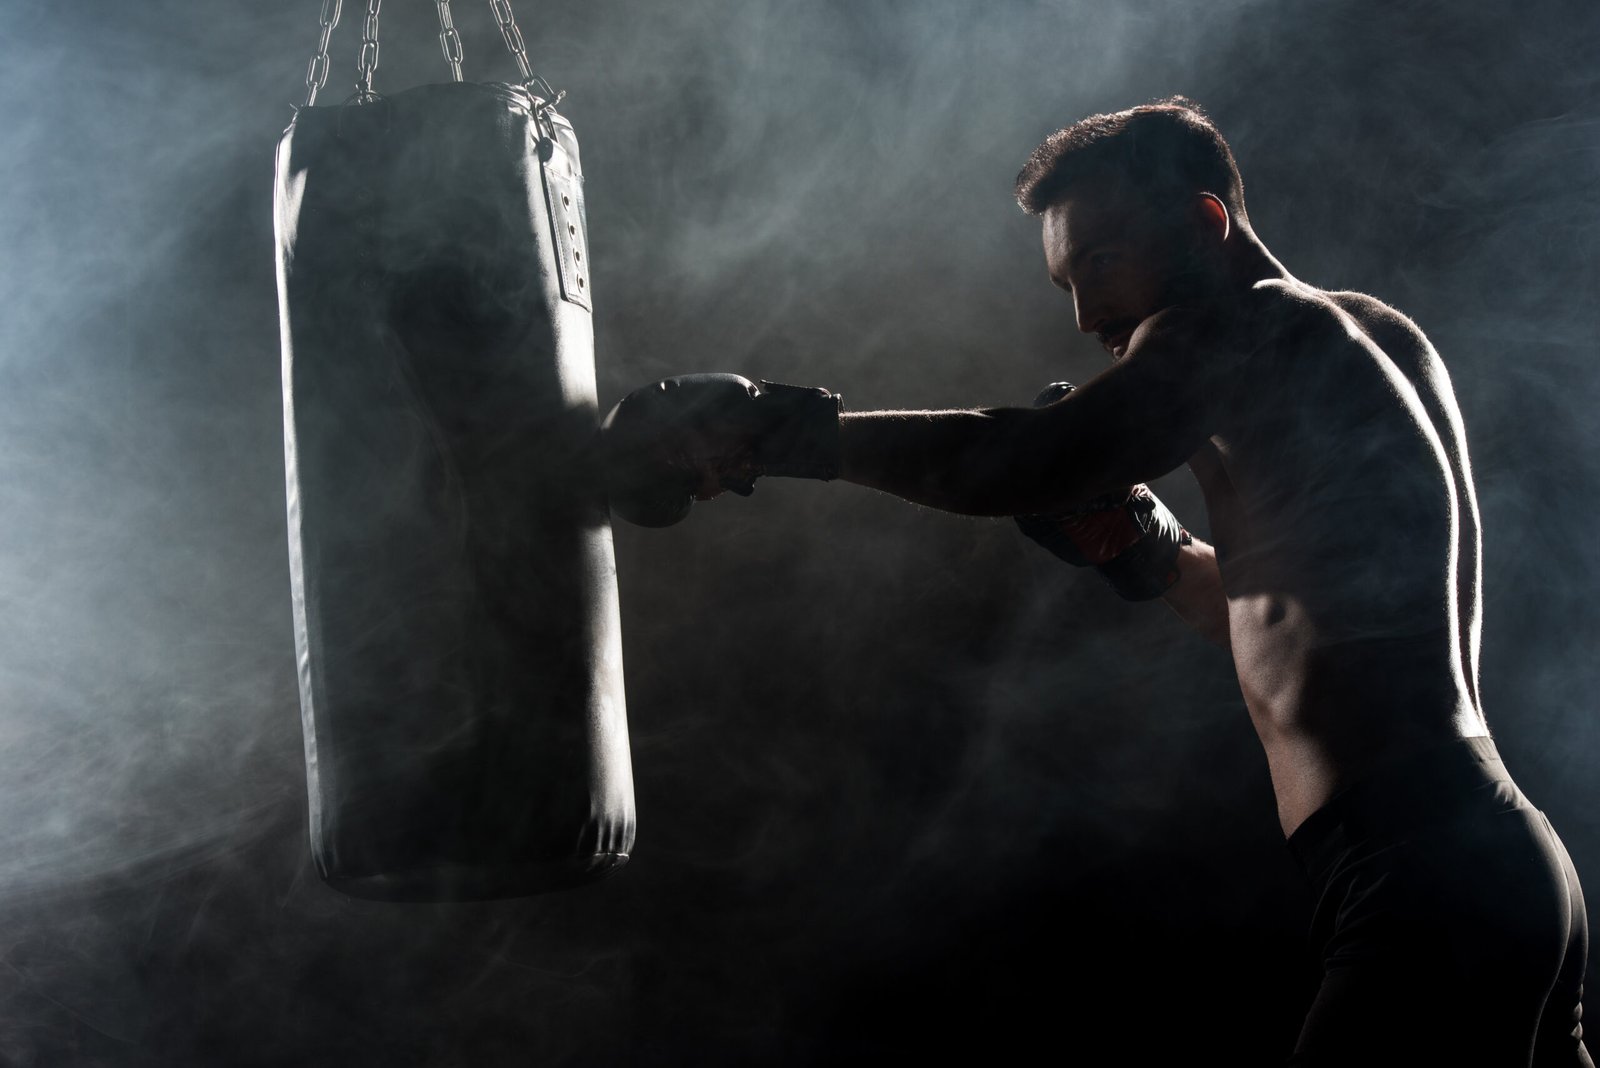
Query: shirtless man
{"type": "Point", "coordinates": [1344, 578]}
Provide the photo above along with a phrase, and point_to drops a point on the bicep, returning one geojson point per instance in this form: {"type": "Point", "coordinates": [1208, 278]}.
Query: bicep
{"type": "Point", "coordinates": [1143, 416]}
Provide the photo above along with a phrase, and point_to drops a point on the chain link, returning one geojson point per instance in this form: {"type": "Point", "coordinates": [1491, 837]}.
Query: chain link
{"type": "Point", "coordinates": [548, 98]}
{"type": "Point", "coordinates": [317, 72]}
{"type": "Point", "coordinates": [449, 39]}
{"type": "Point", "coordinates": [368, 63]}
{"type": "Point", "coordinates": [449, 43]}
{"type": "Point", "coordinates": [513, 36]}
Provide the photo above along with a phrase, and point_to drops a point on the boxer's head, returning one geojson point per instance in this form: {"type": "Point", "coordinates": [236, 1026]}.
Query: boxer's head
{"type": "Point", "coordinates": [1136, 206]}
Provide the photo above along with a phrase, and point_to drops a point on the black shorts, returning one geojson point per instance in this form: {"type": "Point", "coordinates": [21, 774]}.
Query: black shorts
{"type": "Point", "coordinates": [1449, 922]}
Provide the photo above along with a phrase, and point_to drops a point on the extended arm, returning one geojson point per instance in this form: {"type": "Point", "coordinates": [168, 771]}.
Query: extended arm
{"type": "Point", "coordinates": [690, 437]}
{"type": "Point", "coordinates": [994, 461]}
{"type": "Point", "coordinates": [1137, 420]}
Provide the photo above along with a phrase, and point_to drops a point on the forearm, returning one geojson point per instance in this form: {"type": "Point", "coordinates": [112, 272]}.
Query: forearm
{"type": "Point", "coordinates": [1197, 596]}
{"type": "Point", "coordinates": [990, 462]}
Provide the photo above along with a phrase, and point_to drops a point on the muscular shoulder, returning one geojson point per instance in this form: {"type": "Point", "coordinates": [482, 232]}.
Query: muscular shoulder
{"type": "Point", "coordinates": [1366, 308]}
{"type": "Point", "coordinates": [1261, 318]}
{"type": "Point", "coordinates": [1287, 309]}
{"type": "Point", "coordinates": [1175, 331]}
{"type": "Point", "coordinates": [1377, 318]}
{"type": "Point", "coordinates": [1397, 335]}
{"type": "Point", "coordinates": [1277, 307]}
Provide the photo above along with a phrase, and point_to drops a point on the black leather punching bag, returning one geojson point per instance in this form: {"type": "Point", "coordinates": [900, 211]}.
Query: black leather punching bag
{"type": "Point", "coordinates": [455, 600]}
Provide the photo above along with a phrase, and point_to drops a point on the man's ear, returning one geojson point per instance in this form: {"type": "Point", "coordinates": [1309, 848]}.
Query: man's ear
{"type": "Point", "coordinates": [1213, 215]}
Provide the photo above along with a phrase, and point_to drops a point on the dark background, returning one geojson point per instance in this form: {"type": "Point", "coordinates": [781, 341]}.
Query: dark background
{"type": "Point", "coordinates": [906, 785]}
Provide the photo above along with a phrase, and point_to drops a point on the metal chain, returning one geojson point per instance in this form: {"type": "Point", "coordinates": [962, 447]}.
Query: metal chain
{"type": "Point", "coordinates": [317, 72]}
{"type": "Point", "coordinates": [548, 98]}
{"type": "Point", "coordinates": [368, 63]}
{"type": "Point", "coordinates": [513, 36]}
{"type": "Point", "coordinates": [449, 39]}
{"type": "Point", "coordinates": [449, 43]}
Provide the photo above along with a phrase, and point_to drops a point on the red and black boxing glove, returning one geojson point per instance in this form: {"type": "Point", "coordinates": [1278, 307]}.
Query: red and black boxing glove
{"type": "Point", "coordinates": [1130, 538]}
{"type": "Point", "coordinates": [690, 437]}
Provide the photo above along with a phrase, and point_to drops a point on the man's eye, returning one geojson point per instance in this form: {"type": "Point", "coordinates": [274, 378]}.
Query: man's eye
{"type": "Point", "coordinates": [1102, 259]}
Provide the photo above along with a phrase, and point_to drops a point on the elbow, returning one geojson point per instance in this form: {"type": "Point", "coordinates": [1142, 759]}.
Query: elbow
{"type": "Point", "coordinates": [1037, 469]}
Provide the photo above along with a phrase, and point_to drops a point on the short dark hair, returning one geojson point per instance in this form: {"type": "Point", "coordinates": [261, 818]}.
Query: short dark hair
{"type": "Point", "coordinates": [1166, 147]}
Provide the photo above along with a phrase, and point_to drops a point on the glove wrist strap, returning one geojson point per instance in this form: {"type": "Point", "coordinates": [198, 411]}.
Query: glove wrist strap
{"type": "Point", "coordinates": [801, 439]}
{"type": "Point", "coordinates": [1149, 567]}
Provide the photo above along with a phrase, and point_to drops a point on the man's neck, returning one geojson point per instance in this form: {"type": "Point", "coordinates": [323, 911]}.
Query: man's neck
{"type": "Point", "coordinates": [1249, 261]}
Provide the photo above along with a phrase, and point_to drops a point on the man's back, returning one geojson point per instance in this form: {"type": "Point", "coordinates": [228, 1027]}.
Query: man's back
{"type": "Point", "coordinates": [1347, 536]}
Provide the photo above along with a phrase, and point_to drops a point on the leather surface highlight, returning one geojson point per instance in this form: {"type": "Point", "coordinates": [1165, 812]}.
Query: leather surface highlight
{"type": "Point", "coordinates": [455, 605]}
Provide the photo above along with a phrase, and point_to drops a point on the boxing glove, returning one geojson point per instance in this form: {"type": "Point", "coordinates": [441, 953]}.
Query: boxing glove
{"type": "Point", "coordinates": [690, 437]}
{"type": "Point", "coordinates": [1129, 538]}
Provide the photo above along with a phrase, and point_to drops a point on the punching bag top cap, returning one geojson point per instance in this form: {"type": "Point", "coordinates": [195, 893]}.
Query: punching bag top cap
{"type": "Point", "coordinates": [520, 97]}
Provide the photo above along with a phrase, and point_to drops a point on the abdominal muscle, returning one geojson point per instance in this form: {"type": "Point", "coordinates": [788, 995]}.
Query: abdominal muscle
{"type": "Point", "coordinates": [1327, 703]}
{"type": "Point", "coordinates": [1327, 713]}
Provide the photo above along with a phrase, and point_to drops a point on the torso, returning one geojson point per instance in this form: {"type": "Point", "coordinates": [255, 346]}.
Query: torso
{"type": "Point", "coordinates": [1346, 529]}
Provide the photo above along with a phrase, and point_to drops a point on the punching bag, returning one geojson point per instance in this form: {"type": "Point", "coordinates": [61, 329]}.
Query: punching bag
{"type": "Point", "coordinates": [454, 588]}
